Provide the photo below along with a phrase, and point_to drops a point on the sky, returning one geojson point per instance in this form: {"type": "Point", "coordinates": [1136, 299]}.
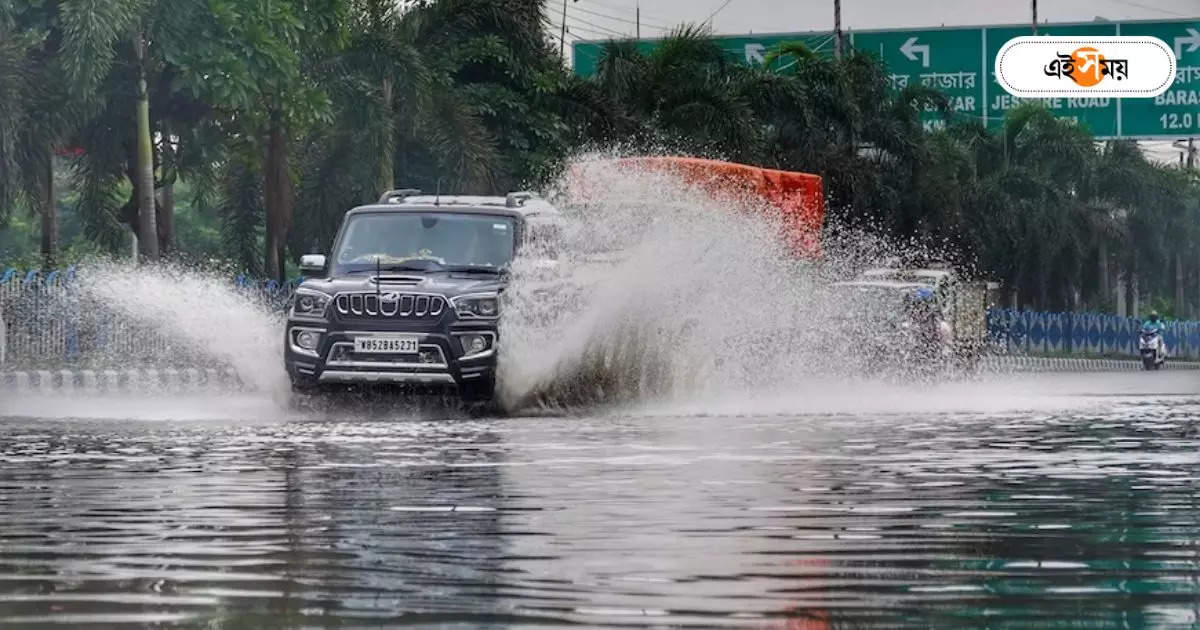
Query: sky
{"type": "Point", "coordinates": [604, 19]}
{"type": "Point", "coordinates": [599, 19]}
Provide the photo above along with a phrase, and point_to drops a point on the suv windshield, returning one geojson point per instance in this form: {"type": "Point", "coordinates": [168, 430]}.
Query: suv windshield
{"type": "Point", "coordinates": [425, 240]}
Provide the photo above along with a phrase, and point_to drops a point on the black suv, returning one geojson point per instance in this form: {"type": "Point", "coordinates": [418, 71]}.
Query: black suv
{"type": "Point", "coordinates": [411, 293]}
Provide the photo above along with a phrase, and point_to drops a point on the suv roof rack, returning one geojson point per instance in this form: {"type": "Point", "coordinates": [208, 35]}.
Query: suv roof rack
{"type": "Point", "coordinates": [516, 199]}
{"type": "Point", "coordinates": [397, 194]}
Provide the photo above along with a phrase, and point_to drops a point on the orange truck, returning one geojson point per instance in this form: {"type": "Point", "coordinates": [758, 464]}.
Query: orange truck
{"type": "Point", "coordinates": [798, 197]}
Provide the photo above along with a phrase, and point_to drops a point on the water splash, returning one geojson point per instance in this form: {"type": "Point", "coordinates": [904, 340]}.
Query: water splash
{"type": "Point", "coordinates": [202, 312]}
{"type": "Point", "coordinates": [664, 291]}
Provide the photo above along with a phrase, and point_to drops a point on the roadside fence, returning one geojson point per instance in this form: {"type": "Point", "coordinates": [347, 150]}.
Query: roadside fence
{"type": "Point", "coordinates": [49, 320]}
{"type": "Point", "coordinates": [1083, 334]}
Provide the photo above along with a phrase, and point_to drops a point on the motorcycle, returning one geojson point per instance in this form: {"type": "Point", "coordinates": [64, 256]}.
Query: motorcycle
{"type": "Point", "coordinates": [1152, 349]}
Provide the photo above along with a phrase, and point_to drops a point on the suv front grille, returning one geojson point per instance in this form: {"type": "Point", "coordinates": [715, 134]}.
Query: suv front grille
{"type": "Point", "coordinates": [390, 304]}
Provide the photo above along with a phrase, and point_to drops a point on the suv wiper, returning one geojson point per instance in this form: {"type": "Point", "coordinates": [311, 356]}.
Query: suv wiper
{"type": "Point", "coordinates": [474, 269]}
{"type": "Point", "coordinates": [404, 267]}
{"type": "Point", "coordinates": [352, 272]}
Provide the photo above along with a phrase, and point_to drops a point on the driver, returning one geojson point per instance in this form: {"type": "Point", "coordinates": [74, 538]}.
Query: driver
{"type": "Point", "coordinates": [927, 317]}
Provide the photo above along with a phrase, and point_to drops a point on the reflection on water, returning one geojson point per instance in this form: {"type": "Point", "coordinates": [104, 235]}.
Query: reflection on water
{"type": "Point", "coordinates": [770, 522]}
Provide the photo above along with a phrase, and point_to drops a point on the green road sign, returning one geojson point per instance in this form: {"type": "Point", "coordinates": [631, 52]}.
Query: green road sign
{"type": "Point", "coordinates": [1099, 114]}
{"type": "Point", "coordinates": [748, 49]}
{"type": "Point", "coordinates": [1175, 112]}
{"type": "Point", "coordinates": [959, 61]}
{"type": "Point", "coordinates": [946, 59]}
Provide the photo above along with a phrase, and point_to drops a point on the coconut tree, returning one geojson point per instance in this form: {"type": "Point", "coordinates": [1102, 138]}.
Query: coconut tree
{"type": "Point", "coordinates": [398, 110]}
{"type": "Point", "coordinates": [94, 33]}
{"type": "Point", "coordinates": [36, 116]}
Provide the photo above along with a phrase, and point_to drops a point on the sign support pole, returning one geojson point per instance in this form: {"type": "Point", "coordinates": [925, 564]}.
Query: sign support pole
{"type": "Point", "coordinates": [984, 77]}
{"type": "Point", "coordinates": [837, 29]}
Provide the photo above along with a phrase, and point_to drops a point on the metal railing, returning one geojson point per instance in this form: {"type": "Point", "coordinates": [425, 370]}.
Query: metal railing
{"type": "Point", "coordinates": [48, 320]}
{"type": "Point", "coordinates": [1083, 334]}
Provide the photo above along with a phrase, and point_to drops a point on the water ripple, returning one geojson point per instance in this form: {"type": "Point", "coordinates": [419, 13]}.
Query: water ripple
{"type": "Point", "coordinates": [777, 521]}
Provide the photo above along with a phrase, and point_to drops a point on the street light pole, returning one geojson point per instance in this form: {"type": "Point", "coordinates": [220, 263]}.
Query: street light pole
{"type": "Point", "coordinates": [837, 29]}
{"type": "Point", "coordinates": [1034, 4]}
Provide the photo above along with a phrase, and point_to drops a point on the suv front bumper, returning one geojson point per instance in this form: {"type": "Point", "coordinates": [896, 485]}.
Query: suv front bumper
{"type": "Point", "coordinates": [440, 360]}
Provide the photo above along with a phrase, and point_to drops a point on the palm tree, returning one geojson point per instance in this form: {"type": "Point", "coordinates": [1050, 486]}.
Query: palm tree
{"type": "Point", "coordinates": [394, 94]}
{"type": "Point", "coordinates": [686, 92]}
{"type": "Point", "coordinates": [34, 119]}
{"type": "Point", "coordinates": [93, 32]}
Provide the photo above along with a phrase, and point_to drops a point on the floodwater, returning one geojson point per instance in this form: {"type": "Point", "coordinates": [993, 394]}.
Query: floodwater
{"type": "Point", "coordinates": [1050, 500]}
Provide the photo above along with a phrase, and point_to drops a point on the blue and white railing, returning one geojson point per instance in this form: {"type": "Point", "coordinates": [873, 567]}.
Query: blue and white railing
{"type": "Point", "coordinates": [1083, 334]}
{"type": "Point", "coordinates": [44, 322]}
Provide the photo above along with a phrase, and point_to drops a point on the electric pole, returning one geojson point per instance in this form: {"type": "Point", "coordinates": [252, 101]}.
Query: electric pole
{"type": "Point", "coordinates": [638, 19]}
{"type": "Point", "coordinates": [837, 29]}
{"type": "Point", "coordinates": [1034, 3]}
{"type": "Point", "coordinates": [562, 38]}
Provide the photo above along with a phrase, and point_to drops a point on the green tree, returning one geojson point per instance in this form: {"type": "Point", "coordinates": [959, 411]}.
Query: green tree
{"type": "Point", "coordinates": [34, 118]}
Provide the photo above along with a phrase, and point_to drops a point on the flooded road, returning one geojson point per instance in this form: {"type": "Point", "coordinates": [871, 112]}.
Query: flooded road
{"type": "Point", "coordinates": [1051, 500]}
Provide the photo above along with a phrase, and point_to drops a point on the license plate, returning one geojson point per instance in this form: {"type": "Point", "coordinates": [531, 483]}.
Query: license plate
{"type": "Point", "coordinates": [386, 345]}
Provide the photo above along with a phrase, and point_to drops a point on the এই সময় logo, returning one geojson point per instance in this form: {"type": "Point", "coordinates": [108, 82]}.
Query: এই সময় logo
{"type": "Point", "coordinates": [1087, 67]}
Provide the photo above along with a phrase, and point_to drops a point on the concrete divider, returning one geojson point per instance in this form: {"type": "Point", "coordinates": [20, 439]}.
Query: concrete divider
{"type": "Point", "coordinates": [146, 381]}
{"type": "Point", "coordinates": [1013, 363]}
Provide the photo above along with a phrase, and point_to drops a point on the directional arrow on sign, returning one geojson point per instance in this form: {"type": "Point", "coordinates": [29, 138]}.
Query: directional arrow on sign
{"type": "Point", "coordinates": [1193, 38]}
{"type": "Point", "coordinates": [754, 53]}
{"type": "Point", "coordinates": [910, 50]}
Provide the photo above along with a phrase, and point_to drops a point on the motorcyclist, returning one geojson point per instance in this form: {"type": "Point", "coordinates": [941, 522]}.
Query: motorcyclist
{"type": "Point", "coordinates": [1154, 324]}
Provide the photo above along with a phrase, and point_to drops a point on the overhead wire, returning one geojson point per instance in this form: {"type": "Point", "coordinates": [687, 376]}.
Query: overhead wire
{"type": "Point", "coordinates": [663, 21]}
{"type": "Point", "coordinates": [717, 10]}
{"type": "Point", "coordinates": [643, 22]}
{"type": "Point", "coordinates": [595, 30]}
{"type": "Point", "coordinates": [574, 21]}
{"type": "Point", "coordinates": [1139, 5]}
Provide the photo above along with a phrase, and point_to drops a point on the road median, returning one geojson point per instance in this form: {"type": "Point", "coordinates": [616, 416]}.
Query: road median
{"type": "Point", "coordinates": [1012, 363]}
{"type": "Point", "coordinates": [141, 381]}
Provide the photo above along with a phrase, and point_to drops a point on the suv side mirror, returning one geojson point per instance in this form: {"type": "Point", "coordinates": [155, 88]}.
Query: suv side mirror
{"type": "Point", "coordinates": [312, 264]}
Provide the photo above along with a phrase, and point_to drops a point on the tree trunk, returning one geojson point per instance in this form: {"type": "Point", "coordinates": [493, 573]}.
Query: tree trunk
{"type": "Point", "coordinates": [387, 148]}
{"type": "Point", "coordinates": [144, 182]}
{"type": "Point", "coordinates": [1102, 261]}
{"type": "Point", "coordinates": [166, 218]}
{"type": "Point", "coordinates": [1134, 306]}
{"type": "Point", "coordinates": [48, 210]}
{"type": "Point", "coordinates": [1180, 307]}
{"type": "Point", "coordinates": [1122, 301]}
{"type": "Point", "coordinates": [1043, 296]}
{"type": "Point", "coordinates": [278, 189]}
{"type": "Point", "coordinates": [166, 195]}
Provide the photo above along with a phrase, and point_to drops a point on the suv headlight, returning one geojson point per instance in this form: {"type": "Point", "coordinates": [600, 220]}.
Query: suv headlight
{"type": "Point", "coordinates": [477, 306]}
{"type": "Point", "coordinates": [310, 304]}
